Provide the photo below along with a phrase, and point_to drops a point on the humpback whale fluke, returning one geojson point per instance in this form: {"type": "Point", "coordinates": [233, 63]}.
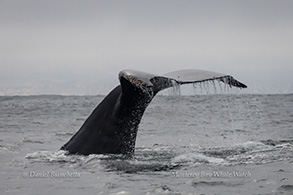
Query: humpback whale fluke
{"type": "Point", "coordinates": [112, 127]}
{"type": "Point", "coordinates": [197, 76]}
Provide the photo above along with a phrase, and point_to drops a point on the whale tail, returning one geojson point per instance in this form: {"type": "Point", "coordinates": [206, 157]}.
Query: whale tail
{"type": "Point", "coordinates": [157, 83]}
{"type": "Point", "coordinates": [112, 127]}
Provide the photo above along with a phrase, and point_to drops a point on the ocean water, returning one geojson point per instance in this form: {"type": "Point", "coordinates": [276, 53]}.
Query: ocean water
{"type": "Point", "coordinates": [200, 144]}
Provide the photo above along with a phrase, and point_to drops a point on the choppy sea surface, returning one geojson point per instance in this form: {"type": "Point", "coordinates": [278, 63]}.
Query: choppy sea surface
{"type": "Point", "coordinates": [200, 144]}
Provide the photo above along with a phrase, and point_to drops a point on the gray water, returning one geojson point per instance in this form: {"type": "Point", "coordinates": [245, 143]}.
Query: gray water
{"type": "Point", "coordinates": [202, 144]}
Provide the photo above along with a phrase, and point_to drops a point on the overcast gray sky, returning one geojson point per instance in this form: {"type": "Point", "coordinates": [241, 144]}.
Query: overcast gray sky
{"type": "Point", "coordinates": [79, 47]}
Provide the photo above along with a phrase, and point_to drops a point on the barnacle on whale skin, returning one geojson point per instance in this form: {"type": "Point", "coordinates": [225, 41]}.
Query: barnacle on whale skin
{"type": "Point", "coordinates": [135, 81]}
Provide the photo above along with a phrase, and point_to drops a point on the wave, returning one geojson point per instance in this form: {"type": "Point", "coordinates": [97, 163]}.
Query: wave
{"type": "Point", "coordinates": [165, 158]}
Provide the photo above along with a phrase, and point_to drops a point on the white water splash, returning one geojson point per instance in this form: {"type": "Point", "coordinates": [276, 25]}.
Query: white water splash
{"type": "Point", "coordinates": [196, 158]}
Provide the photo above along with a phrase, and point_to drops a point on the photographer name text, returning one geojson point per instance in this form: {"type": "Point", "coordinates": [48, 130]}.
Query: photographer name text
{"type": "Point", "coordinates": [51, 174]}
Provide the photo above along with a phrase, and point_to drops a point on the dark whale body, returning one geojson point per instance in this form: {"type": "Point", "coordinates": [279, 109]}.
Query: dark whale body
{"type": "Point", "coordinates": [112, 126]}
